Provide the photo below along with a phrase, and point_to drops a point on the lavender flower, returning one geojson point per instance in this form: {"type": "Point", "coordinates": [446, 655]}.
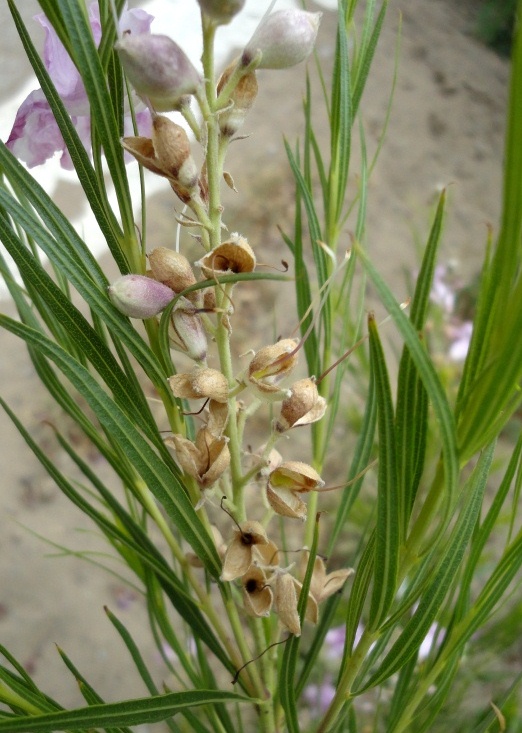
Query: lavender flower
{"type": "Point", "coordinates": [35, 136]}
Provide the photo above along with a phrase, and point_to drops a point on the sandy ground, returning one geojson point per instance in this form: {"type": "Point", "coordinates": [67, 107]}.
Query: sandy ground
{"type": "Point", "coordinates": [446, 127]}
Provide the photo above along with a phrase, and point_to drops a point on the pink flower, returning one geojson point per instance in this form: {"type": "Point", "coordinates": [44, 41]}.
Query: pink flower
{"type": "Point", "coordinates": [35, 136]}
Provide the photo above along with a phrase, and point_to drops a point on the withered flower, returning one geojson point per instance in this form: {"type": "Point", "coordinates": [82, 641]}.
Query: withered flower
{"type": "Point", "coordinates": [241, 100]}
{"type": "Point", "coordinates": [230, 257]}
{"type": "Point", "coordinates": [286, 482]}
{"type": "Point", "coordinates": [186, 332]}
{"type": "Point", "coordinates": [303, 406]}
{"type": "Point", "coordinates": [167, 154]}
{"type": "Point", "coordinates": [323, 585]}
{"type": "Point", "coordinates": [200, 383]}
{"type": "Point", "coordinates": [205, 460]}
{"type": "Point", "coordinates": [239, 556]}
{"type": "Point", "coordinates": [269, 366]}
{"type": "Point", "coordinates": [217, 417]}
{"type": "Point", "coordinates": [257, 595]}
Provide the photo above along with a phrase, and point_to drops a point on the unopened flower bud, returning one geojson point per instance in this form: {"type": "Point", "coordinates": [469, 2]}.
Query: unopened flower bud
{"type": "Point", "coordinates": [186, 330]}
{"type": "Point", "coordinates": [241, 100]}
{"type": "Point", "coordinates": [233, 256]}
{"type": "Point", "coordinates": [173, 269]}
{"type": "Point", "coordinates": [284, 38]}
{"type": "Point", "coordinates": [158, 69]}
{"type": "Point", "coordinates": [222, 11]}
{"type": "Point", "coordinates": [139, 296]}
{"type": "Point", "coordinates": [303, 407]}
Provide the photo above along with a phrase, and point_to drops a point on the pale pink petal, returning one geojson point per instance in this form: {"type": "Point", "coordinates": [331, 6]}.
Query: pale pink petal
{"type": "Point", "coordinates": [35, 136]}
{"type": "Point", "coordinates": [62, 71]}
{"type": "Point", "coordinates": [135, 21]}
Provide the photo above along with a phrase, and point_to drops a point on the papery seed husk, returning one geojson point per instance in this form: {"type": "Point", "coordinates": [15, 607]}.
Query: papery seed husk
{"type": "Point", "coordinates": [296, 476]}
{"type": "Point", "coordinates": [217, 417]}
{"type": "Point", "coordinates": [258, 601]}
{"type": "Point", "coordinates": [266, 556]}
{"type": "Point", "coordinates": [143, 150]}
{"type": "Point", "coordinates": [172, 147]}
{"type": "Point", "coordinates": [236, 562]}
{"type": "Point", "coordinates": [187, 454]}
{"type": "Point", "coordinates": [285, 600]}
{"type": "Point", "coordinates": [286, 503]}
{"type": "Point", "coordinates": [270, 361]}
{"type": "Point", "coordinates": [200, 383]}
{"type": "Point", "coordinates": [303, 407]}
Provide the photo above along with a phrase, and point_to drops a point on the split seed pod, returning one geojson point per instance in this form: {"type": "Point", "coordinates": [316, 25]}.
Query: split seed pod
{"type": "Point", "coordinates": [286, 483]}
{"type": "Point", "coordinates": [269, 366]}
{"type": "Point", "coordinates": [257, 595]}
{"type": "Point", "coordinates": [205, 460]}
{"type": "Point", "coordinates": [239, 555]}
{"type": "Point", "coordinates": [324, 585]}
{"type": "Point", "coordinates": [233, 256]}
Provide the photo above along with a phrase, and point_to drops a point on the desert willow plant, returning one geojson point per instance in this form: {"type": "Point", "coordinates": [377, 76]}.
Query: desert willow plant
{"type": "Point", "coordinates": [246, 594]}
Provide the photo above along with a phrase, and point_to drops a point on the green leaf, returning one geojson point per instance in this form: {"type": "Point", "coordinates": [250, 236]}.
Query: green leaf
{"type": "Point", "coordinates": [442, 578]}
{"type": "Point", "coordinates": [412, 398]}
{"type": "Point", "coordinates": [128, 712]}
{"type": "Point", "coordinates": [389, 505]}
{"type": "Point", "coordinates": [82, 334]}
{"type": "Point", "coordinates": [158, 478]}
{"type": "Point", "coordinates": [428, 376]}
{"type": "Point", "coordinates": [340, 127]}
{"type": "Point", "coordinates": [86, 58]}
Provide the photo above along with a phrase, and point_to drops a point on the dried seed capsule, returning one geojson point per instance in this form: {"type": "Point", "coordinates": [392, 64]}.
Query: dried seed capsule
{"type": "Point", "coordinates": [200, 383]}
{"type": "Point", "coordinates": [269, 366]}
{"type": "Point", "coordinates": [173, 269]}
{"type": "Point", "coordinates": [303, 406]}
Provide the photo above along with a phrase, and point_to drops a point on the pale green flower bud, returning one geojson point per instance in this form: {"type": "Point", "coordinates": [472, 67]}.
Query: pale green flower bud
{"type": "Point", "coordinates": [222, 11]}
{"type": "Point", "coordinates": [139, 296]}
{"type": "Point", "coordinates": [284, 38]}
{"type": "Point", "coordinates": [158, 69]}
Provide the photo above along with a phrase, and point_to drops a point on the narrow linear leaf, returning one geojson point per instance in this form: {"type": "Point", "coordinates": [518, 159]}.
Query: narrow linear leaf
{"type": "Point", "coordinates": [127, 712]}
{"type": "Point", "coordinates": [428, 376]}
{"type": "Point", "coordinates": [163, 484]}
{"type": "Point", "coordinates": [389, 504]}
{"type": "Point", "coordinates": [418, 625]}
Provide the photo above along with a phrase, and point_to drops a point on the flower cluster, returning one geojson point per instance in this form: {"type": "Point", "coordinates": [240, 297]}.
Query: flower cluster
{"type": "Point", "coordinates": [166, 80]}
{"type": "Point", "coordinates": [35, 136]}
